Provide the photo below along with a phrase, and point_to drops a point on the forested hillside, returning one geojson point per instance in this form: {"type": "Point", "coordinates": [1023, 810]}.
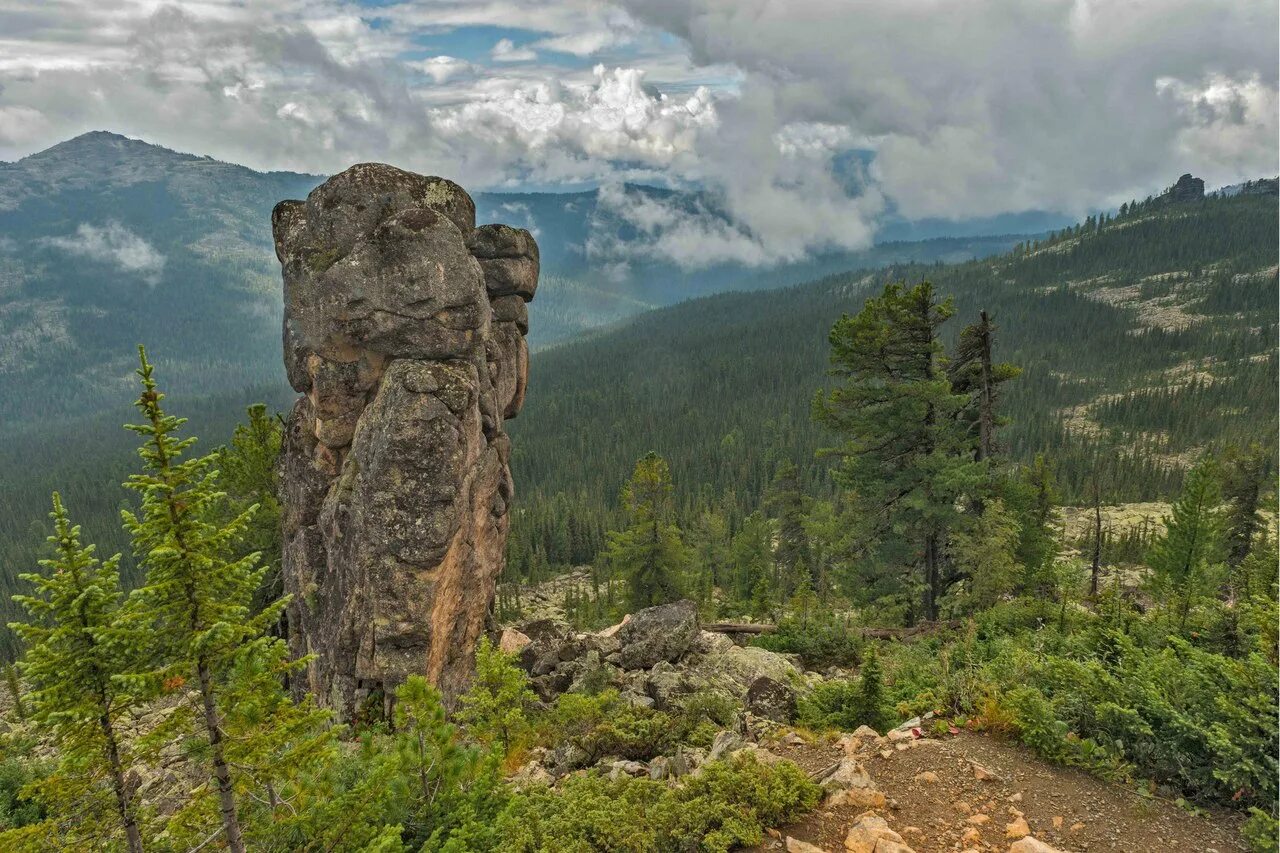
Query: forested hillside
{"type": "Point", "coordinates": [107, 242]}
{"type": "Point", "coordinates": [1144, 339]}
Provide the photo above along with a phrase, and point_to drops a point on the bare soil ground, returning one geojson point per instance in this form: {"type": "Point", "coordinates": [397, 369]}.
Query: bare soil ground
{"type": "Point", "coordinates": [949, 808]}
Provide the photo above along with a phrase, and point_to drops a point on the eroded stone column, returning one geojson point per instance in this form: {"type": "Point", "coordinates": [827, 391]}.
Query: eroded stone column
{"type": "Point", "coordinates": [404, 333]}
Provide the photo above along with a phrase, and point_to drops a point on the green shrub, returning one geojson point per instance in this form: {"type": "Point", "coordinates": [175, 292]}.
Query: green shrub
{"type": "Point", "coordinates": [699, 716]}
{"type": "Point", "coordinates": [15, 808]}
{"type": "Point", "coordinates": [845, 704]}
{"type": "Point", "coordinates": [493, 710]}
{"type": "Point", "coordinates": [1261, 832]}
{"type": "Point", "coordinates": [605, 725]}
{"type": "Point", "coordinates": [727, 805]}
{"type": "Point", "coordinates": [820, 641]}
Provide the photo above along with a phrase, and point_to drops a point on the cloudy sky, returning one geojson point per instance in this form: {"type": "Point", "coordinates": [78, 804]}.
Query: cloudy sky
{"type": "Point", "coordinates": [807, 119]}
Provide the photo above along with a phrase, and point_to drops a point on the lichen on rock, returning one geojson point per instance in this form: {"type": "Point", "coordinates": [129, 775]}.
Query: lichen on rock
{"type": "Point", "coordinates": [404, 331]}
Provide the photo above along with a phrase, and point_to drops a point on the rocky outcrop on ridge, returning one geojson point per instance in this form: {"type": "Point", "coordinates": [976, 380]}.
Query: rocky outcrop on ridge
{"type": "Point", "coordinates": [654, 658]}
{"type": "Point", "coordinates": [404, 333]}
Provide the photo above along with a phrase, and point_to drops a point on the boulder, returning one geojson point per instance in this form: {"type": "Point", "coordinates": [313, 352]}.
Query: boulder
{"type": "Point", "coordinates": [771, 699]}
{"type": "Point", "coordinates": [871, 834]}
{"type": "Point", "coordinates": [1030, 844]}
{"type": "Point", "coordinates": [724, 743]}
{"type": "Point", "coordinates": [849, 773]}
{"type": "Point", "coordinates": [662, 633]}
{"type": "Point", "coordinates": [512, 642]}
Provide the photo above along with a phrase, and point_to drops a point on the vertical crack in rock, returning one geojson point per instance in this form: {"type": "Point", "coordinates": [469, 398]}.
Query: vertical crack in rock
{"type": "Point", "coordinates": [404, 332]}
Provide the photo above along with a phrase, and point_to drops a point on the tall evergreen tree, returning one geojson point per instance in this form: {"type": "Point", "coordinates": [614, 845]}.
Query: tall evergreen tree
{"type": "Point", "coordinates": [785, 501]}
{"type": "Point", "coordinates": [905, 458]}
{"type": "Point", "coordinates": [1245, 476]}
{"type": "Point", "coordinates": [649, 552]}
{"type": "Point", "coordinates": [975, 372]}
{"type": "Point", "coordinates": [198, 588]}
{"type": "Point", "coordinates": [1192, 543]}
{"type": "Point", "coordinates": [247, 467]}
{"type": "Point", "coordinates": [80, 642]}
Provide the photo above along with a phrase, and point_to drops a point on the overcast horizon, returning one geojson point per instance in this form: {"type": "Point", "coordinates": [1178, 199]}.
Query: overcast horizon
{"type": "Point", "coordinates": [807, 121]}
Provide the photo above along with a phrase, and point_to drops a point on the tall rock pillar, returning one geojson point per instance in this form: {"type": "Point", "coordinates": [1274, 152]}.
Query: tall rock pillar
{"type": "Point", "coordinates": [404, 332]}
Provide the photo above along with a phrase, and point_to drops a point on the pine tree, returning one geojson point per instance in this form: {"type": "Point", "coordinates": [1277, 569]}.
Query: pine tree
{"type": "Point", "coordinates": [198, 589]}
{"type": "Point", "coordinates": [905, 459]}
{"type": "Point", "coordinates": [1192, 544]}
{"type": "Point", "coordinates": [80, 642]}
{"type": "Point", "coordinates": [650, 552]}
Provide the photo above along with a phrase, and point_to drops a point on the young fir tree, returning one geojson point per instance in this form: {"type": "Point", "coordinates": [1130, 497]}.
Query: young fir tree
{"type": "Point", "coordinates": [1032, 498]}
{"type": "Point", "coordinates": [871, 694]}
{"type": "Point", "coordinates": [79, 644]}
{"type": "Point", "coordinates": [494, 708]}
{"type": "Point", "coordinates": [197, 597]}
{"type": "Point", "coordinates": [650, 552]}
{"type": "Point", "coordinates": [751, 557]}
{"type": "Point", "coordinates": [906, 459]}
{"type": "Point", "coordinates": [1192, 544]}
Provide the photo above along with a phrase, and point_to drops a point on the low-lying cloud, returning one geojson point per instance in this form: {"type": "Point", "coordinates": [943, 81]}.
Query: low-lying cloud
{"type": "Point", "coordinates": [116, 245]}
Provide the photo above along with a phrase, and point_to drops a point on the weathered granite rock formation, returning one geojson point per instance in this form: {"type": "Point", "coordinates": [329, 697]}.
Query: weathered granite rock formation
{"type": "Point", "coordinates": [404, 332]}
{"type": "Point", "coordinates": [1186, 189]}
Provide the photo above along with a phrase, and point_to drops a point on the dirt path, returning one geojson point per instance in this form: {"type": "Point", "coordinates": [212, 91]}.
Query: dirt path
{"type": "Point", "coordinates": [936, 802]}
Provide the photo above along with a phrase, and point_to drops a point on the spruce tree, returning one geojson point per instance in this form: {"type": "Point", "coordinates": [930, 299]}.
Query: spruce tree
{"type": "Point", "coordinates": [198, 587]}
{"type": "Point", "coordinates": [1245, 475]}
{"type": "Point", "coordinates": [1192, 544]}
{"type": "Point", "coordinates": [975, 372]}
{"type": "Point", "coordinates": [905, 459]}
{"type": "Point", "coordinates": [786, 502]}
{"type": "Point", "coordinates": [871, 693]}
{"type": "Point", "coordinates": [247, 467]}
{"type": "Point", "coordinates": [650, 552]}
{"type": "Point", "coordinates": [80, 644]}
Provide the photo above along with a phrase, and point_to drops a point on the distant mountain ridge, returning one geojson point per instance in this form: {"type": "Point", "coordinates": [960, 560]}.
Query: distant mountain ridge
{"type": "Point", "coordinates": [107, 242]}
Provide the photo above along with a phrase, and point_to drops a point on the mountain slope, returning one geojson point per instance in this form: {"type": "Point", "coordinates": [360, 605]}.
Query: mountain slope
{"type": "Point", "coordinates": [106, 242]}
{"type": "Point", "coordinates": [1143, 342]}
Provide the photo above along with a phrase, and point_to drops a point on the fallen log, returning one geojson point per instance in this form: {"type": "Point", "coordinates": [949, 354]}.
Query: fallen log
{"type": "Point", "coordinates": [921, 629]}
{"type": "Point", "coordinates": [739, 628]}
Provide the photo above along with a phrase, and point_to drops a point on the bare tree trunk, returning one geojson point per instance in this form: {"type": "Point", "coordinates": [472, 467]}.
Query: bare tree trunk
{"type": "Point", "coordinates": [123, 805]}
{"type": "Point", "coordinates": [932, 578]}
{"type": "Point", "coordinates": [221, 773]}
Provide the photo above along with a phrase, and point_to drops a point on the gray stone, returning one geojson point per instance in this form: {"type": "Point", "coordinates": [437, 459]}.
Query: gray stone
{"type": "Point", "coordinates": [395, 474]}
{"type": "Point", "coordinates": [771, 699]}
{"type": "Point", "coordinates": [662, 633]}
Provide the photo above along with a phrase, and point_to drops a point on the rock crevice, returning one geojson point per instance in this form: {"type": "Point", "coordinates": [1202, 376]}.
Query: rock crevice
{"type": "Point", "coordinates": [404, 332]}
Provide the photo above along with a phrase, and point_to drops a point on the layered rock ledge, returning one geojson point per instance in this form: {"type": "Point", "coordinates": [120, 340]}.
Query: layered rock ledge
{"type": "Point", "coordinates": [404, 332]}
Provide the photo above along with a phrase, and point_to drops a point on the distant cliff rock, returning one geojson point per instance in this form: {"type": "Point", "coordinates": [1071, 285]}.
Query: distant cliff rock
{"type": "Point", "coordinates": [405, 333]}
{"type": "Point", "coordinates": [1186, 189]}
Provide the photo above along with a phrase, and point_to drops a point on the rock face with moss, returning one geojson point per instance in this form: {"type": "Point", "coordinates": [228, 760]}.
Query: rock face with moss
{"type": "Point", "coordinates": [404, 333]}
